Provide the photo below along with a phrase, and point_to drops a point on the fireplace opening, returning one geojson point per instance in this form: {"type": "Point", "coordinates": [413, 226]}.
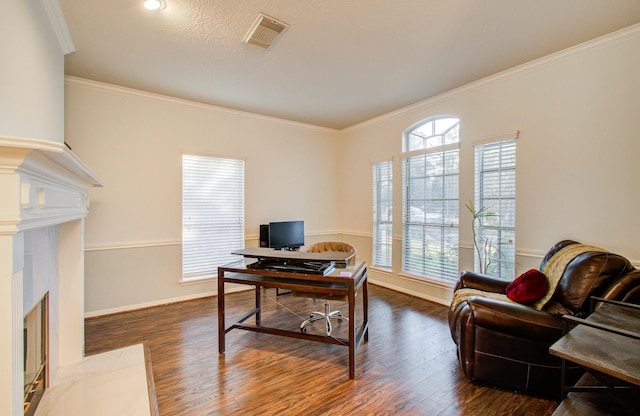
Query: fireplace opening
{"type": "Point", "coordinates": [36, 346]}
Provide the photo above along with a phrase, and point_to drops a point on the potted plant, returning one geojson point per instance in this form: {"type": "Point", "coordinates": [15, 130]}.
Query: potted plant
{"type": "Point", "coordinates": [483, 246]}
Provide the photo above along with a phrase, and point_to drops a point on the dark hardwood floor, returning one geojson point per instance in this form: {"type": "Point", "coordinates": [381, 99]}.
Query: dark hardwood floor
{"type": "Point", "coordinates": [408, 367]}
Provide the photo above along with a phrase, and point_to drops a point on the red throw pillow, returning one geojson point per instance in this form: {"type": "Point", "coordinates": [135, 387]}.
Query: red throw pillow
{"type": "Point", "coordinates": [529, 287]}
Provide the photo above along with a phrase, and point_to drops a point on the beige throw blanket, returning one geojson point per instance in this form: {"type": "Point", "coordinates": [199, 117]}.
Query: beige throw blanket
{"type": "Point", "coordinates": [463, 294]}
{"type": "Point", "coordinates": [554, 268]}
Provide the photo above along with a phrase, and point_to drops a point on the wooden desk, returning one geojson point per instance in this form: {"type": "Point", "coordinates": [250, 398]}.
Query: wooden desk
{"type": "Point", "coordinates": [335, 283]}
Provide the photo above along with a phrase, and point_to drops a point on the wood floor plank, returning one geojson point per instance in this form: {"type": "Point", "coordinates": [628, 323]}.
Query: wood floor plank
{"type": "Point", "coordinates": [408, 367]}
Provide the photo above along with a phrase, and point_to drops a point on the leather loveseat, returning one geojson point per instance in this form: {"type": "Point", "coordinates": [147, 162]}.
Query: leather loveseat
{"type": "Point", "coordinates": [506, 344]}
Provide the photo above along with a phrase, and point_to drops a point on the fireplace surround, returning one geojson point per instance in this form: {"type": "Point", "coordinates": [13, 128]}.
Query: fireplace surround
{"type": "Point", "coordinates": [42, 211]}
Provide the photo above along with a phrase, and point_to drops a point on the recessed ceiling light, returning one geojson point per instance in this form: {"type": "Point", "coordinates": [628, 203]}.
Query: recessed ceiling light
{"type": "Point", "coordinates": [154, 4]}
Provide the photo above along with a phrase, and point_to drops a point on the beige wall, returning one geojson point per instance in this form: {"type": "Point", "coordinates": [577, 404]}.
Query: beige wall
{"type": "Point", "coordinates": [578, 117]}
{"type": "Point", "coordinates": [134, 142]}
{"type": "Point", "coordinates": [32, 97]}
{"type": "Point", "coordinates": [576, 113]}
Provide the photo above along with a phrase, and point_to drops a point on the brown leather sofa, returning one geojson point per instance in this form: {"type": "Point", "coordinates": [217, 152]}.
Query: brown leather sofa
{"type": "Point", "coordinates": [506, 344]}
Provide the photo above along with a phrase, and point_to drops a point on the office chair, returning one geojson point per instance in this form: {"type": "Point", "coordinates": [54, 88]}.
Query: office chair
{"type": "Point", "coordinates": [328, 314]}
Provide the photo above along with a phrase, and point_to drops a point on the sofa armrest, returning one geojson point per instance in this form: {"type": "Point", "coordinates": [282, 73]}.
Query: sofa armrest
{"type": "Point", "coordinates": [514, 319]}
{"type": "Point", "coordinates": [472, 280]}
{"type": "Point", "coordinates": [625, 288]}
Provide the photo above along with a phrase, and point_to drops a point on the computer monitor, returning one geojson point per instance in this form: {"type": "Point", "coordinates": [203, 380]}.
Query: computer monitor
{"type": "Point", "coordinates": [287, 235]}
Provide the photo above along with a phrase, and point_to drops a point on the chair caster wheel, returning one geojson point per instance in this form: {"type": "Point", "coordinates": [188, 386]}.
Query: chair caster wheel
{"type": "Point", "coordinates": [303, 330]}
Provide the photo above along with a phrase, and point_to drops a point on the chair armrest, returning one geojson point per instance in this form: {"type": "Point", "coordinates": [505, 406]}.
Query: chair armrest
{"type": "Point", "coordinates": [626, 288]}
{"type": "Point", "coordinates": [515, 319]}
{"type": "Point", "coordinates": [472, 280]}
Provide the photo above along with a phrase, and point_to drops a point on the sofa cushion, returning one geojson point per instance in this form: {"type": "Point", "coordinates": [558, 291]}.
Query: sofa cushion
{"type": "Point", "coordinates": [589, 274]}
{"type": "Point", "coordinates": [578, 271]}
{"type": "Point", "coordinates": [555, 268]}
{"type": "Point", "coordinates": [528, 288]}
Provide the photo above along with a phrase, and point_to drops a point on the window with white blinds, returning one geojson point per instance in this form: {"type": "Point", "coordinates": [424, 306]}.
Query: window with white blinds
{"type": "Point", "coordinates": [430, 214]}
{"type": "Point", "coordinates": [495, 194]}
{"type": "Point", "coordinates": [212, 214]}
{"type": "Point", "coordinates": [382, 214]}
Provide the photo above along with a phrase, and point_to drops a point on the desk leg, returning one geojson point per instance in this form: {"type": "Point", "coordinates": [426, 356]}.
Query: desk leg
{"type": "Point", "coordinates": [221, 325]}
{"type": "Point", "coordinates": [258, 292]}
{"type": "Point", "coordinates": [365, 308]}
{"type": "Point", "coordinates": [352, 331]}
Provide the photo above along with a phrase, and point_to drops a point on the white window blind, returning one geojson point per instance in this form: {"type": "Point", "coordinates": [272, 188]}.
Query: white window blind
{"type": "Point", "coordinates": [495, 191]}
{"type": "Point", "coordinates": [430, 214]}
{"type": "Point", "coordinates": [382, 214]}
{"type": "Point", "coordinates": [212, 214]}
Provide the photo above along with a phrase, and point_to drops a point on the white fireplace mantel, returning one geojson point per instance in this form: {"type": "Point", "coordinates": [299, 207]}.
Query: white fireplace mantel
{"type": "Point", "coordinates": [42, 184]}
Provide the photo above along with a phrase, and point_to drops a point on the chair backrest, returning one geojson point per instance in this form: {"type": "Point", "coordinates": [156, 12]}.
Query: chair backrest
{"type": "Point", "coordinates": [587, 271]}
{"type": "Point", "coordinates": [324, 246]}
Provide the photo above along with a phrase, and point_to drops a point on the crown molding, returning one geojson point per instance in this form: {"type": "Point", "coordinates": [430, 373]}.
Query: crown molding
{"type": "Point", "coordinates": [59, 25]}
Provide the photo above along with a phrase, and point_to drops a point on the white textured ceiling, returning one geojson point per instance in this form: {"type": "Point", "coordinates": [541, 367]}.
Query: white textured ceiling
{"type": "Point", "coordinates": [340, 63]}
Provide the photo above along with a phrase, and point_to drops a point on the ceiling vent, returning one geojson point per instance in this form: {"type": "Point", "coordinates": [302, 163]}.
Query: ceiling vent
{"type": "Point", "coordinates": [265, 31]}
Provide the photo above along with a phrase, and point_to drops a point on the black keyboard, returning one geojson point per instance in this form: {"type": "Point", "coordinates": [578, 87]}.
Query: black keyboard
{"type": "Point", "coordinates": [310, 267]}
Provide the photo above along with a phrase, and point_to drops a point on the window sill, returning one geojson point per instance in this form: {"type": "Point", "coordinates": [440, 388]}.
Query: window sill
{"type": "Point", "coordinates": [197, 281]}
{"type": "Point", "coordinates": [429, 280]}
{"type": "Point", "coordinates": [381, 269]}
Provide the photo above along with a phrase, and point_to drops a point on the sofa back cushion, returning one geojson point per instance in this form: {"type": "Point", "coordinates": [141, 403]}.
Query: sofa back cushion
{"type": "Point", "coordinates": [589, 274]}
{"type": "Point", "coordinates": [578, 271]}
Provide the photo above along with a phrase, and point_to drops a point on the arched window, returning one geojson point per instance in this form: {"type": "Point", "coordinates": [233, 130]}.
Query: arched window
{"type": "Point", "coordinates": [430, 208]}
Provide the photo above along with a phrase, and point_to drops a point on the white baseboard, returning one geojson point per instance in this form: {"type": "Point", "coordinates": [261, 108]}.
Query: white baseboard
{"type": "Point", "coordinates": [409, 292]}
{"type": "Point", "coordinates": [145, 305]}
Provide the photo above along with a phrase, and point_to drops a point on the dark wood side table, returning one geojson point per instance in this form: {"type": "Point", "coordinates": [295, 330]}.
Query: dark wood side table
{"type": "Point", "coordinates": [607, 345]}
